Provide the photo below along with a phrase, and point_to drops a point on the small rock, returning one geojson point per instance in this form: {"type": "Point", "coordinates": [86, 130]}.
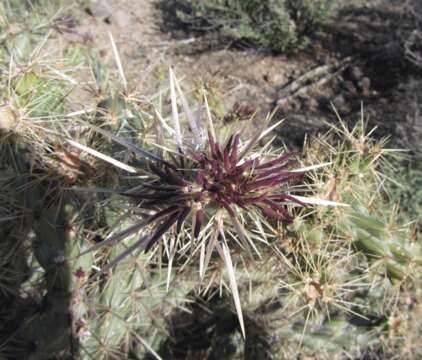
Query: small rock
{"type": "Point", "coordinates": [365, 86]}
{"type": "Point", "coordinates": [121, 18]}
{"type": "Point", "coordinates": [356, 73]}
{"type": "Point", "coordinates": [341, 105]}
{"type": "Point", "coordinates": [100, 8]}
{"type": "Point", "coordinates": [275, 78]}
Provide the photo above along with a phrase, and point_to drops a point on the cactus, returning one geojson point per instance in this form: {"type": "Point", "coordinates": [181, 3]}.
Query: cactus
{"type": "Point", "coordinates": [216, 191]}
{"type": "Point", "coordinates": [123, 312]}
{"type": "Point", "coordinates": [326, 275]}
{"type": "Point", "coordinates": [331, 285]}
{"type": "Point", "coordinates": [37, 256]}
{"type": "Point", "coordinates": [334, 282]}
{"type": "Point", "coordinates": [324, 282]}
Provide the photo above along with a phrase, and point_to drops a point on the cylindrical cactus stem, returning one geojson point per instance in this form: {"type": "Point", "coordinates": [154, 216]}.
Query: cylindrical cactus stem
{"type": "Point", "coordinates": [374, 238]}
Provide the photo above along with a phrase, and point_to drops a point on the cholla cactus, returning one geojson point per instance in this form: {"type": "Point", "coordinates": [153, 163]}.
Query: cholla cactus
{"type": "Point", "coordinates": [204, 183]}
{"type": "Point", "coordinates": [125, 312]}
{"type": "Point", "coordinates": [341, 283]}
{"type": "Point", "coordinates": [217, 194]}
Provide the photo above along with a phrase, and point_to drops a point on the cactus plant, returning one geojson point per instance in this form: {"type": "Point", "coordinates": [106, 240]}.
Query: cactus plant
{"type": "Point", "coordinates": [334, 283]}
{"type": "Point", "coordinates": [324, 282]}
{"type": "Point", "coordinates": [213, 195]}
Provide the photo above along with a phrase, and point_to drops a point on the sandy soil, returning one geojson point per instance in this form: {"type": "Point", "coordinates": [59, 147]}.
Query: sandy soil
{"type": "Point", "coordinates": [356, 61]}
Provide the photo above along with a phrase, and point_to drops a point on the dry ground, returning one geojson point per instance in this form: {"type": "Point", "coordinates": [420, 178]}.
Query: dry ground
{"type": "Point", "coordinates": [357, 60]}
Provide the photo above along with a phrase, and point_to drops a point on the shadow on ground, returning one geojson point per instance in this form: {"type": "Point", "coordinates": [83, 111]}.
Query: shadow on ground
{"type": "Point", "coordinates": [211, 331]}
{"type": "Point", "coordinates": [373, 39]}
{"type": "Point", "coordinates": [371, 35]}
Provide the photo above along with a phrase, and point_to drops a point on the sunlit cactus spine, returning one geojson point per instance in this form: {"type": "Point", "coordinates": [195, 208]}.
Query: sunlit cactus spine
{"type": "Point", "coordinates": [208, 193]}
{"type": "Point", "coordinates": [337, 282]}
{"type": "Point", "coordinates": [126, 316]}
{"type": "Point", "coordinates": [301, 277]}
{"type": "Point", "coordinates": [385, 245]}
{"type": "Point", "coordinates": [123, 313]}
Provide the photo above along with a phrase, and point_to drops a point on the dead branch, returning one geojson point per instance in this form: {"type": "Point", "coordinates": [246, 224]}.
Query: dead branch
{"type": "Point", "coordinates": [312, 79]}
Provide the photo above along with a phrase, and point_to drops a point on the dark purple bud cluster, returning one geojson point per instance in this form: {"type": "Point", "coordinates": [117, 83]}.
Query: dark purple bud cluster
{"type": "Point", "coordinates": [215, 178]}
